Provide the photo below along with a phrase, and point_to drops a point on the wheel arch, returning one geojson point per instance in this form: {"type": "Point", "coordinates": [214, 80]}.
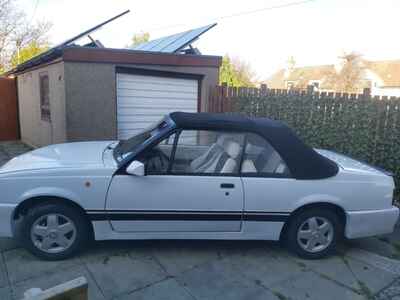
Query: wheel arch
{"type": "Point", "coordinates": [22, 208]}
{"type": "Point", "coordinates": [337, 209]}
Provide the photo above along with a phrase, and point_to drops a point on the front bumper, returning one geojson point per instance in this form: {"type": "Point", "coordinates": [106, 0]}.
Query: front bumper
{"type": "Point", "coordinates": [6, 212]}
{"type": "Point", "coordinates": [370, 222]}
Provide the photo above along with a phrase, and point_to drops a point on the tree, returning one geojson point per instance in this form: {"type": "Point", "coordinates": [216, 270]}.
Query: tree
{"type": "Point", "coordinates": [236, 72]}
{"type": "Point", "coordinates": [140, 38]}
{"type": "Point", "coordinates": [31, 50]}
{"type": "Point", "coordinates": [17, 32]}
{"type": "Point", "coordinates": [350, 74]}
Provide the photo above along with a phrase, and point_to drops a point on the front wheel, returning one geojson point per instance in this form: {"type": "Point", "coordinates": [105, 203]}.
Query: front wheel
{"type": "Point", "coordinates": [314, 233]}
{"type": "Point", "coordinates": [54, 232]}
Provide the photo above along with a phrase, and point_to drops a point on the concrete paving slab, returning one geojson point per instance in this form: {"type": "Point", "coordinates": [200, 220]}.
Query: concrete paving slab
{"type": "Point", "coordinates": [392, 291]}
{"type": "Point", "coordinates": [6, 293]}
{"type": "Point", "coordinates": [312, 286]}
{"type": "Point", "coordinates": [379, 246]}
{"type": "Point", "coordinates": [22, 265]}
{"type": "Point", "coordinates": [7, 244]}
{"type": "Point", "coordinates": [179, 258]}
{"type": "Point", "coordinates": [46, 282]}
{"type": "Point", "coordinates": [376, 260]}
{"type": "Point", "coordinates": [142, 249]}
{"type": "Point", "coordinates": [13, 148]}
{"type": "Point", "coordinates": [102, 250]}
{"type": "Point", "coordinates": [3, 274]}
{"type": "Point", "coordinates": [370, 279]}
{"type": "Point", "coordinates": [120, 274]}
{"type": "Point", "coordinates": [265, 266]}
{"type": "Point", "coordinates": [164, 290]}
{"type": "Point", "coordinates": [334, 268]}
{"type": "Point", "coordinates": [219, 280]}
{"type": "Point", "coordinates": [227, 248]}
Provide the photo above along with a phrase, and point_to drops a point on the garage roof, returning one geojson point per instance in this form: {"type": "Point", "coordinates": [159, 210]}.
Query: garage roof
{"type": "Point", "coordinates": [118, 56]}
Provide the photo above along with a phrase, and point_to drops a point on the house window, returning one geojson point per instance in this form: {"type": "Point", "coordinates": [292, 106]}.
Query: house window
{"type": "Point", "coordinates": [315, 83]}
{"type": "Point", "coordinates": [44, 97]}
{"type": "Point", "coordinates": [290, 85]}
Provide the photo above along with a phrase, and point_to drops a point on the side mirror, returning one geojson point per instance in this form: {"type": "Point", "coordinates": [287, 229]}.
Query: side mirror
{"type": "Point", "coordinates": [135, 168]}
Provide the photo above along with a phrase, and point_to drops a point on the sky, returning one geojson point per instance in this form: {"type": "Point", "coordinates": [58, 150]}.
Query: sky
{"type": "Point", "coordinates": [313, 32]}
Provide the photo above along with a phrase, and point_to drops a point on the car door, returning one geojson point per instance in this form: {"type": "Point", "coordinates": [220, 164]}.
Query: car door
{"type": "Point", "coordinates": [192, 184]}
{"type": "Point", "coordinates": [268, 186]}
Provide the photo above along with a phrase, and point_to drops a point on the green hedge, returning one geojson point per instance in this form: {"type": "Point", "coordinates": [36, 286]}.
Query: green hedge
{"type": "Point", "coordinates": [360, 126]}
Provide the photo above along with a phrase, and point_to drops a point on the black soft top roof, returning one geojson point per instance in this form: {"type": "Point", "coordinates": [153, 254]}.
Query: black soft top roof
{"type": "Point", "coordinates": [303, 161]}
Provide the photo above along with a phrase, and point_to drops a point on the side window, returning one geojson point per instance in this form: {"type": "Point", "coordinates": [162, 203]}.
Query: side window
{"type": "Point", "coordinates": [158, 158]}
{"type": "Point", "coordinates": [260, 158]}
{"type": "Point", "coordinates": [208, 152]}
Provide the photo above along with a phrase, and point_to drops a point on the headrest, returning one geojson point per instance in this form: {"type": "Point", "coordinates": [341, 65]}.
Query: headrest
{"type": "Point", "coordinates": [232, 149]}
{"type": "Point", "coordinates": [220, 140]}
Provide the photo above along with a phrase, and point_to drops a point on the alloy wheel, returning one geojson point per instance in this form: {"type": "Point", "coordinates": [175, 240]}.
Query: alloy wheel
{"type": "Point", "coordinates": [315, 234]}
{"type": "Point", "coordinates": [53, 233]}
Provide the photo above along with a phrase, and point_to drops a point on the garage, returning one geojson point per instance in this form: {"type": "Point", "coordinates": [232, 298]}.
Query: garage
{"type": "Point", "coordinates": [144, 97]}
{"type": "Point", "coordinates": [109, 94]}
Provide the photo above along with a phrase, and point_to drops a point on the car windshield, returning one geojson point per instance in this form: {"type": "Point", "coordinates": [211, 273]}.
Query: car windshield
{"type": "Point", "coordinates": [126, 147]}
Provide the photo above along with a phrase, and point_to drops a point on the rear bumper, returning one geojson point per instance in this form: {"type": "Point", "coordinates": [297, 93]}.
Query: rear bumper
{"type": "Point", "coordinates": [370, 222]}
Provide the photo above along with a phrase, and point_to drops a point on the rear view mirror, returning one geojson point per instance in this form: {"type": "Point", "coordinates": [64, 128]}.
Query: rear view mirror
{"type": "Point", "coordinates": [136, 168]}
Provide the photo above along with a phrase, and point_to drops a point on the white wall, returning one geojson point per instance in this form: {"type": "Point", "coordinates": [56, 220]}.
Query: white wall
{"type": "Point", "coordinates": [34, 131]}
{"type": "Point", "coordinates": [379, 91]}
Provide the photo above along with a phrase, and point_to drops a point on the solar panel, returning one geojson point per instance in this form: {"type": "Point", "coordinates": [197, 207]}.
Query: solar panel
{"type": "Point", "coordinates": [174, 43]}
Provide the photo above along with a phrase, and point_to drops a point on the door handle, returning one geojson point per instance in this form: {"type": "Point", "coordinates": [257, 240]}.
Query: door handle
{"type": "Point", "coordinates": [227, 185]}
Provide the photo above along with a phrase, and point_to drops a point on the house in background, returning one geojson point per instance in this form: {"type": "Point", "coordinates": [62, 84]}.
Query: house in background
{"type": "Point", "coordinates": [74, 93]}
{"type": "Point", "coordinates": [382, 77]}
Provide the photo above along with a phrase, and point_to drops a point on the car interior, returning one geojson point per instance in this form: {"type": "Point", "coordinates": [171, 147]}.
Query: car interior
{"type": "Point", "coordinates": [211, 152]}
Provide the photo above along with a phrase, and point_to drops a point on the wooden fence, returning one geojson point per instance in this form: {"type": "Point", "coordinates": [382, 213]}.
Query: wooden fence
{"type": "Point", "coordinates": [9, 129]}
{"type": "Point", "coordinates": [364, 127]}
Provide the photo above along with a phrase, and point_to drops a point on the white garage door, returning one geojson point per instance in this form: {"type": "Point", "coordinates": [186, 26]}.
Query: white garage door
{"type": "Point", "coordinates": [143, 100]}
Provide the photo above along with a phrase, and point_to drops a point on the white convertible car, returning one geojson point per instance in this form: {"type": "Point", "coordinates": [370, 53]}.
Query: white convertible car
{"type": "Point", "coordinates": [193, 176]}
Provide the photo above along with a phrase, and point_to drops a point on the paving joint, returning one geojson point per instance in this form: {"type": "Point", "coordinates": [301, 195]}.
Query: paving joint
{"type": "Point", "coordinates": [141, 288]}
{"type": "Point", "coordinates": [7, 276]}
{"type": "Point", "coordinates": [94, 279]}
{"type": "Point", "coordinates": [375, 260]}
{"type": "Point", "coordinates": [170, 276]}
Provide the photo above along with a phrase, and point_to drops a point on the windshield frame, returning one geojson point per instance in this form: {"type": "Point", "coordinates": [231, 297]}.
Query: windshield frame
{"type": "Point", "coordinates": [158, 132]}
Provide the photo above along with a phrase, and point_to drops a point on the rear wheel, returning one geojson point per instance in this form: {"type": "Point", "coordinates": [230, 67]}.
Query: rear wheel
{"type": "Point", "coordinates": [314, 233]}
{"type": "Point", "coordinates": [54, 232]}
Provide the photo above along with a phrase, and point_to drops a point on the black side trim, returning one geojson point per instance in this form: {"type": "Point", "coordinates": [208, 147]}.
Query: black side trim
{"type": "Point", "coordinates": [265, 217]}
{"type": "Point", "coordinates": [124, 215]}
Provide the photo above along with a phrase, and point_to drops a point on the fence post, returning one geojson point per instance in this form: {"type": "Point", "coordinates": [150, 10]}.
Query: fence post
{"type": "Point", "coordinates": [366, 92]}
{"type": "Point", "coordinates": [224, 96]}
{"type": "Point", "coordinates": [263, 90]}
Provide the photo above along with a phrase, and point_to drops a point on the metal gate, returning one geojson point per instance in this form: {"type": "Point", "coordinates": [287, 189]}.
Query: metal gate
{"type": "Point", "coordinates": [9, 129]}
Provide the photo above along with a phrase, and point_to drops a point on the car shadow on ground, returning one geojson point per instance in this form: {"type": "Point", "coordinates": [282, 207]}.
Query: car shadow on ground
{"type": "Point", "coordinates": [187, 245]}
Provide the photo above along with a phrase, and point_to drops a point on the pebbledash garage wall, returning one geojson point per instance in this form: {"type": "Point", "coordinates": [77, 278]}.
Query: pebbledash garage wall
{"type": "Point", "coordinates": [35, 131]}
{"type": "Point", "coordinates": [83, 90]}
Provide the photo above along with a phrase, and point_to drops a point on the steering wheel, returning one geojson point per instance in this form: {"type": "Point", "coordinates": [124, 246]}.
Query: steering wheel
{"type": "Point", "coordinates": [157, 161]}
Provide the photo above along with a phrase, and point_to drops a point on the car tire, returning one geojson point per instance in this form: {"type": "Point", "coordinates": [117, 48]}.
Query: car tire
{"type": "Point", "coordinates": [314, 233]}
{"type": "Point", "coordinates": [54, 232]}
